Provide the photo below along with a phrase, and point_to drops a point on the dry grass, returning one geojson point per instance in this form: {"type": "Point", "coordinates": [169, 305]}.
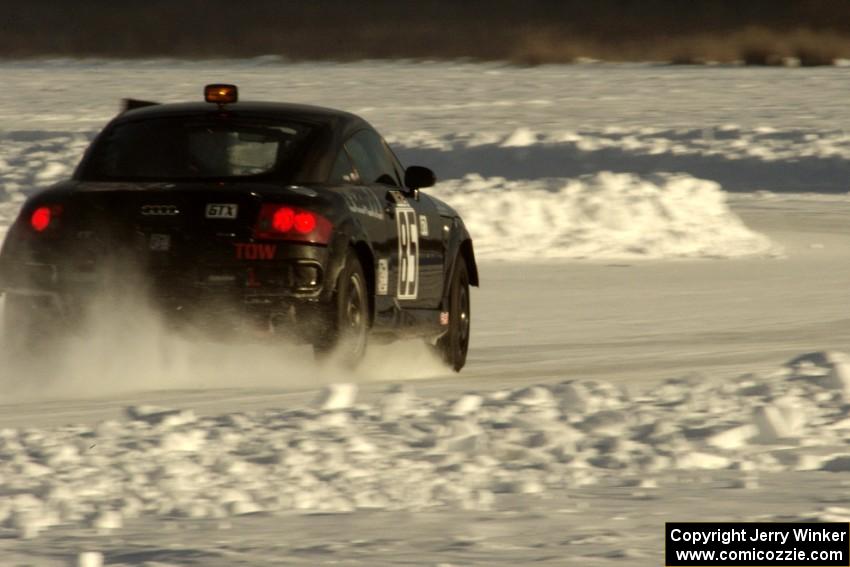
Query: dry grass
{"type": "Point", "coordinates": [750, 46]}
{"type": "Point", "coordinates": [526, 32]}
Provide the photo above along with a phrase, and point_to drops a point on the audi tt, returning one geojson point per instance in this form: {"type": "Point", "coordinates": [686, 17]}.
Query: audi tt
{"type": "Point", "coordinates": [245, 219]}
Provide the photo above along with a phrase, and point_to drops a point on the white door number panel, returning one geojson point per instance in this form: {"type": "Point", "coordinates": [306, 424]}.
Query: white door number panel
{"type": "Point", "coordinates": [383, 277]}
{"type": "Point", "coordinates": [222, 210]}
{"type": "Point", "coordinates": [408, 253]}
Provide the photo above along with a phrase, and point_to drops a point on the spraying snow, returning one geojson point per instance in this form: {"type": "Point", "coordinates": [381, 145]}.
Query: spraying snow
{"type": "Point", "coordinates": [124, 346]}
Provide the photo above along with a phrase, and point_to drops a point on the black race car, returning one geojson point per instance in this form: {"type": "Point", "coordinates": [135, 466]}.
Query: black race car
{"type": "Point", "coordinates": [276, 219]}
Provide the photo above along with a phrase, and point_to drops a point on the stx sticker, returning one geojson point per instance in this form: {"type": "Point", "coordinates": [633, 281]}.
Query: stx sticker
{"type": "Point", "coordinates": [250, 251]}
{"type": "Point", "coordinates": [408, 253]}
{"type": "Point", "coordinates": [222, 210]}
{"type": "Point", "coordinates": [383, 277]}
{"type": "Point", "coordinates": [444, 318]}
{"type": "Point", "coordinates": [423, 225]}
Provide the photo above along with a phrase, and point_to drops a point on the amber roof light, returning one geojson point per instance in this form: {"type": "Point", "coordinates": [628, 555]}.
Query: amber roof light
{"type": "Point", "coordinates": [221, 94]}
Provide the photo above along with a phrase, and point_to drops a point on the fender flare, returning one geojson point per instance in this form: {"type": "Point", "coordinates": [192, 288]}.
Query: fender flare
{"type": "Point", "coordinates": [459, 247]}
{"type": "Point", "coordinates": [350, 234]}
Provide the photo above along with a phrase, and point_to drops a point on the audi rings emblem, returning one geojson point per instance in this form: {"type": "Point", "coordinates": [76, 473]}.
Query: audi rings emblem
{"type": "Point", "coordinates": [160, 210]}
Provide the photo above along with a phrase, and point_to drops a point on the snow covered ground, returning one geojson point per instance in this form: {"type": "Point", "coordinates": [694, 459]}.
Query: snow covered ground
{"type": "Point", "coordinates": [620, 375]}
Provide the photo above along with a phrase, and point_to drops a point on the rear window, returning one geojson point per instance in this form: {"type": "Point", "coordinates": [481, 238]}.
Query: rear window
{"type": "Point", "coordinates": [190, 148]}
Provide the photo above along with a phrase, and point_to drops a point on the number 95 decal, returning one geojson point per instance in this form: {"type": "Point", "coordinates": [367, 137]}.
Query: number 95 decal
{"type": "Point", "coordinates": [408, 253]}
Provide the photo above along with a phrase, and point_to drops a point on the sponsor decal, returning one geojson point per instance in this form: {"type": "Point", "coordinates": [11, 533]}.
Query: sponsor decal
{"type": "Point", "coordinates": [399, 198]}
{"type": "Point", "coordinates": [160, 210]}
{"type": "Point", "coordinates": [383, 277]}
{"type": "Point", "coordinates": [221, 211]}
{"type": "Point", "coordinates": [444, 318]}
{"type": "Point", "coordinates": [160, 242]}
{"type": "Point", "coordinates": [408, 253]}
{"type": "Point", "coordinates": [362, 201]}
{"type": "Point", "coordinates": [251, 251]}
{"type": "Point", "coordinates": [423, 225]}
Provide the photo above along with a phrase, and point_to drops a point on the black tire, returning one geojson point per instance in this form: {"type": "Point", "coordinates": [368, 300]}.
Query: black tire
{"type": "Point", "coordinates": [454, 345]}
{"type": "Point", "coordinates": [347, 329]}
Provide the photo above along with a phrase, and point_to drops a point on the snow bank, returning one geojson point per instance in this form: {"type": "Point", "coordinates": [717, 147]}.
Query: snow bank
{"type": "Point", "coordinates": [402, 452]}
{"type": "Point", "coordinates": [601, 216]}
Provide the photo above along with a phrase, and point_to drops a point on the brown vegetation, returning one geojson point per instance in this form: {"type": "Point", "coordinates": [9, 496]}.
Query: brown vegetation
{"type": "Point", "coordinates": [528, 32]}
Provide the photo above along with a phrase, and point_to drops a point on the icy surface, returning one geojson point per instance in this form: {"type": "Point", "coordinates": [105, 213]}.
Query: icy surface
{"type": "Point", "coordinates": [462, 453]}
{"type": "Point", "coordinates": [439, 98]}
{"type": "Point", "coordinates": [600, 400]}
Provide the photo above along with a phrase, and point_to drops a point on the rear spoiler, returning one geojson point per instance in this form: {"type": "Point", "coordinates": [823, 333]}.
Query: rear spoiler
{"type": "Point", "coordinates": [132, 104]}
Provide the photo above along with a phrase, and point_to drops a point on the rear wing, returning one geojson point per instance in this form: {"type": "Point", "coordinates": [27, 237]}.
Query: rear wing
{"type": "Point", "coordinates": [132, 104]}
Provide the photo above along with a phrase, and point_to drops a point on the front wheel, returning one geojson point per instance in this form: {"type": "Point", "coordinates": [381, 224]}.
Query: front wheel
{"type": "Point", "coordinates": [454, 344]}
{"type": "Point", "coordinates": [346, 335]}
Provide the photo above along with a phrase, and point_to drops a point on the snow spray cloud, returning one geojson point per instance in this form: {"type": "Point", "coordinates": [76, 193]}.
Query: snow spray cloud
{"type": "Point", "coordinates": [122, 343]}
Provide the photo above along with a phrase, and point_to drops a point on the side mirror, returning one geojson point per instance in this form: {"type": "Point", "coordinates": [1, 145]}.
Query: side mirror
{"type": "Point", "coordinates": [417, 177]}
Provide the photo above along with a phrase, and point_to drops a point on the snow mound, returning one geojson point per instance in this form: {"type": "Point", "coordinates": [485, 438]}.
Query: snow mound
{"type": "Point", "coordinates": [601, 216]}
{"type": "Point", "coordinates": [403, 452]}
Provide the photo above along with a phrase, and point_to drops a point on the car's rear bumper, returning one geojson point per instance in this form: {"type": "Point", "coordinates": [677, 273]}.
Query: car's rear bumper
{"type": "Point", "coordinates": [287, 294]}
{"type": "Point", "coordinates": [293, 270]}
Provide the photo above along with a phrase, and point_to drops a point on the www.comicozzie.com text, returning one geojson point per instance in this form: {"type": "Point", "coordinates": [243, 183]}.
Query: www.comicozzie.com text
{"type": "Point", "coordinates": [756, 534]}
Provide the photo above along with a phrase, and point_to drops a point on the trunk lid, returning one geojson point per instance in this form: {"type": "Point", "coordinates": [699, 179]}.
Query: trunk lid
{"type": "Point", "coordinates": [177, 233]}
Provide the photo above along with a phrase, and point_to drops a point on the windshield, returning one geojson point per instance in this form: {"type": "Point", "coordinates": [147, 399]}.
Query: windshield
{"type": "Point", "coordinates": [191, 148]}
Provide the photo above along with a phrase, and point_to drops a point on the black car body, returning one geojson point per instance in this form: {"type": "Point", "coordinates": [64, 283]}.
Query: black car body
{"type": "Point", "coordinates": [271, 213]}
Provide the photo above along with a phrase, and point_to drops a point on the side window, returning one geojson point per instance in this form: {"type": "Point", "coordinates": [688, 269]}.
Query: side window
{"type": "Point", "coordinates": [371, 159]}
{"type": "Point", "coordinates": [394, 160]}
{"type": "Point", "coordinates": [342, 172]}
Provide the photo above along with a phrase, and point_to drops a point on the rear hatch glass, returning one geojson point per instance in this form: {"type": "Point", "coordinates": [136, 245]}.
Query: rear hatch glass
{"type": "Point", "coordinates": [198, 148]}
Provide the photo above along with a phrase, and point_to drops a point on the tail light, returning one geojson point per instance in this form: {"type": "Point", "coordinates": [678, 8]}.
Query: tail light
{"type": "Point", "coordinates": [285, 222]}
{"type": "Point", "coordinates": [44, 217]}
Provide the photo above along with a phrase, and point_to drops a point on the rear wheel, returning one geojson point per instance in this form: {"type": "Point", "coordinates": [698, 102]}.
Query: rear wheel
{"type": "Point", "coordinates": [454, 345]}
{"type": "Point", "coordinates": [346, 335]}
